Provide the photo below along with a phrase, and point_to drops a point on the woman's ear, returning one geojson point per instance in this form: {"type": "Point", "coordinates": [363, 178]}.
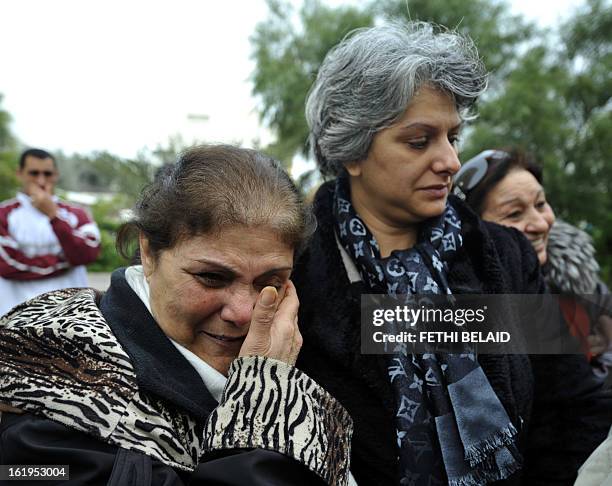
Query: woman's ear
{"type": "Point", "coordinates": [353, 168]}
{"type": "Point", "coordinates": [146, 258]}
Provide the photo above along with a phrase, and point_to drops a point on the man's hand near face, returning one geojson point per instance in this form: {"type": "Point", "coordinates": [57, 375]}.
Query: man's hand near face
{"type": "Point", "coordinates": [42, 199]}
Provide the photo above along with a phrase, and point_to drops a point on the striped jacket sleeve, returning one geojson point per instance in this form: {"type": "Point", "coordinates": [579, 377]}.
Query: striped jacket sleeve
{"type": "Point", "coordinates": [14, 264]}
{"type": "Point", "coordinates": [269, 405]}
{"type": "Point", "coordinates": [81, 243]}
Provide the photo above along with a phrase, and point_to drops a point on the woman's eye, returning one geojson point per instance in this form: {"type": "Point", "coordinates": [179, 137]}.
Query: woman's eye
{"type": "Point", "coordinates": [213, 279]}
{"type": "Point", "coordinates": [513, 215]}
{"type": "Point", "coordinates": [541, 205]}
{"type": "Point", "coordinates": [454, 139]}
{"type": "Point", "coordinates": [418, 143]}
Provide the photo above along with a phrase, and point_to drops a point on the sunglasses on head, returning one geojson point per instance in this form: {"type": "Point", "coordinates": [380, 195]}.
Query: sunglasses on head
{"type": "Point", "coordinates": [474, 170]}
{"type": "Point", "coordinates": [36, 173]}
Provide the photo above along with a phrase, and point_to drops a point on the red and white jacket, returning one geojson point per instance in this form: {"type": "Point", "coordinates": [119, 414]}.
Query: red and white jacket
{"type": "Point", "coordinates": [38, 254]}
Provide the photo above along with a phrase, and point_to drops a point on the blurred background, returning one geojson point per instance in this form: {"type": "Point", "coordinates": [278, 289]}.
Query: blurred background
{"type": "Point", "coordinates": [116, 89]}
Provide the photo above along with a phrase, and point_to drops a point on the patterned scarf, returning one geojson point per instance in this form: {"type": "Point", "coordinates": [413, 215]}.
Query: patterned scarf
{"type": "Point", "coordinates": [450, 424]}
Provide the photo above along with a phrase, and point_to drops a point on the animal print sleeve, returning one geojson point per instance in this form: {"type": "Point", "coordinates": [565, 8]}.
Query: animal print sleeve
{"type": "Point", "coordinates": [268, 404]}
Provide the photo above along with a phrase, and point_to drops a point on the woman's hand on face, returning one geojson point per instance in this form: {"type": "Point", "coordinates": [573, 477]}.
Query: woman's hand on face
{"type": "Point", "coordinates": [274, 331]}
{"type": "Point", "coordinates": [8, 408]}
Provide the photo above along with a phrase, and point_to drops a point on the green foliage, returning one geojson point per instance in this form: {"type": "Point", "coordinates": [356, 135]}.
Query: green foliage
{"type": "Point", "coordinates": [168, 153]}
{"type": "Point", "coordinates": [8, 181]}
{"type": "Point", "coordinates": [288, 59]}
{"type": "Point", "coordinates": [8, 157]}
{"type": "Point", "coordinates": [109, 259]}
{"type": "Point", "coordinates": [104, 172]}
{"type": "Point", "coordinates": [7, 141]}
{"type": "Point", "coordinates": [495, 31]}
{"type": "Point", "coordinates": [107, 215]}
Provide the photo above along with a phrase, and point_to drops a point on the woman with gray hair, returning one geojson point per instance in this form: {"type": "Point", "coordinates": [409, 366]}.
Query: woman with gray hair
{"type": "Point", "coordinates": [385, 113]}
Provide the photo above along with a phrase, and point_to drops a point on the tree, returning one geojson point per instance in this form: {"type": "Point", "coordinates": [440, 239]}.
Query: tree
{"type": "Point", "coordinates": [495, 30]}
{"type": "Point", "coordinates": [105, 172]}
{"type": "Point", "coordinates": [8, 157]}
{"type": "Point", "coordinates": [288, 57]}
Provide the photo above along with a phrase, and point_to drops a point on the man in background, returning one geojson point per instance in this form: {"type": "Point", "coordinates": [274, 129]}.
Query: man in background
{"type": "Point", "coordinates": [44, 241]}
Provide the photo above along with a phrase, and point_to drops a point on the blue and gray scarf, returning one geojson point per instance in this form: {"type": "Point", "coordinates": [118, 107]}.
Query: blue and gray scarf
{"type": "Point", "coordinates": [450, 424]}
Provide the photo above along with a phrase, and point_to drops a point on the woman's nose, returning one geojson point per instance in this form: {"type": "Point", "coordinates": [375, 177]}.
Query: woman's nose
{"type": "Point", "coordinates": [239, 307]}
{"type": "Point", "coordinates": [447, 159]}
{"type": "Point", "coordinates": [537, 223]}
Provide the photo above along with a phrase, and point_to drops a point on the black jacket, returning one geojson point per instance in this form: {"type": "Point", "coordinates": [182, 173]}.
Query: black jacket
{"type": "Point", "coordinates": [554, 402]}
{"type": "Point", "coordinates": [107, 393]}
{"type": "Point", "coordinates": [29, 439]}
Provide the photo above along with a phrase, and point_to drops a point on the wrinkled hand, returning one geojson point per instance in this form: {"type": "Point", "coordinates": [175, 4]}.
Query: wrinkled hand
{"type": "Point", "coordinates": [42, 199]}
{"type": "Point", "coordinates": [274, 331]}
{"type": "Point", "coordinates": [8, 408]}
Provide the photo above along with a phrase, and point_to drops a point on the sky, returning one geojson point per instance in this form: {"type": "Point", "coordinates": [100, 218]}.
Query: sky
{"type": "Point", "coordinates": [125, 76]}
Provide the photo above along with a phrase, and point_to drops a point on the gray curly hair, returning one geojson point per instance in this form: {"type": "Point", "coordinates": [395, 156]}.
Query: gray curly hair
{"type": "Point", "coordinates": [366, 82]}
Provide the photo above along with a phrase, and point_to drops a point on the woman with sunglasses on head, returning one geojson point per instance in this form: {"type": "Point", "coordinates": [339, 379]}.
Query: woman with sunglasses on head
{"type": "Point", "coordinates": [505, 187]}
{"type": "Point", "coordinates": [385, 113]}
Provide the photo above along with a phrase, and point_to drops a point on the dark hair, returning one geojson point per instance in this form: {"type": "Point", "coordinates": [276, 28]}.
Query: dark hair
{"type": "Point", "coordinates": [35, 152]}
{"type": "Point", "coordinates": [497, 170]}
{"type": "Point", "coordinates": [212, 187]}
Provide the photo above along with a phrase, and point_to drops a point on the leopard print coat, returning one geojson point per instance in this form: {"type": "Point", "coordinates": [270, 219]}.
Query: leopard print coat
{"type": "Point", "coordinates": [59, 359]}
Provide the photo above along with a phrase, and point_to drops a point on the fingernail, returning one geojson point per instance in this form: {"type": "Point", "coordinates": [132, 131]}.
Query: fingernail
{"type": "Point", "coordinates": [268, 296]}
